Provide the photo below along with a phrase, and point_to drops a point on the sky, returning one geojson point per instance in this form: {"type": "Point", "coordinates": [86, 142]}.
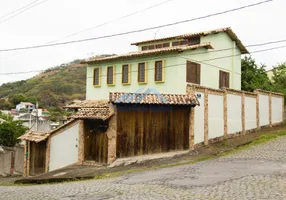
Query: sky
{"type": "Point", "coordinates": [56, 19]}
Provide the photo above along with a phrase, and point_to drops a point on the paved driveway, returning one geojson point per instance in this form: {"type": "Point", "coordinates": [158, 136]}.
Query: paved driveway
{"type": "Point", "coordinates": [255, 173]}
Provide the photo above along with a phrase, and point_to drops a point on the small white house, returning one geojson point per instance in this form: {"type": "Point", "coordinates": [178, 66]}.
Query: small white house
{"type": "Point", "coordinates": [25, 105]}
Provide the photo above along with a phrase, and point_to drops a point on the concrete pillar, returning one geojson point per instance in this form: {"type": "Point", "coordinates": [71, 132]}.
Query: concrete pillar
{"type": "Point", "coordinates": [243, 113]}
{"type": "Point", "coordinates": [270, 109]}
{"type": "Point", "coordinates": [206, 116]}
{"type": "Point", "coordinates": [225, 113]}
{"type": "Point", "coordinates": [112, 137]}
{"type": "Point", "coordinates": [81, 142]}
{"type": "Point", "coordinates": [191, 128]}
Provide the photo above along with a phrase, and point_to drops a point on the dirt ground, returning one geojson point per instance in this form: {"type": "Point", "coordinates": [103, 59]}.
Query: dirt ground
{"type": "Point", "coordinates": [199, 154]}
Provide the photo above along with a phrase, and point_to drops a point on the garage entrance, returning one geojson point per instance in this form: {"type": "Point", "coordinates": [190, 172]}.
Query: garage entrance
{"type": "Point", "coordinates": [148, 129]}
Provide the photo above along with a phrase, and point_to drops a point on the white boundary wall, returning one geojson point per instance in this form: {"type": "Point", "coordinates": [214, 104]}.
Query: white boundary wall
{"type": "Point", "coordinates": [232, 112]}
{"type": "Point", "coordinates": [250, 113]}
{"type": "Point", "coordinates": [263, 110]}
{"type": "Point", "coordinates": [276, 111]}
{"type": "Point", "coordinates": [215, 116]}
{"type": "Point", "coordinates": [199, 119]}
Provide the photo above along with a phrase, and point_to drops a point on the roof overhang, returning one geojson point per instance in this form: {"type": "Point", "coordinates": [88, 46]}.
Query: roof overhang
{"type": "Point", "coordinates": [227, 30]}
{"type": "Point", "coordinates": [161, 51]}
{"type": "Point", "coordinates": [34, 136]}
{"type": "Point", "coordinates": [153, 99]}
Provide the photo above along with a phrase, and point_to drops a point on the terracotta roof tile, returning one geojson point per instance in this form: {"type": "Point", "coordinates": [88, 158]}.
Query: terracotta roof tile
{"type": "Point", "coordinates": [34, 136]}
{"type": "Point", "coordinates": [141, 98]}
{"type": "Point", "coordinates": [150, 52]}
{"type": "Point", "coordinates": [90, 104]}
{"type": "Point", "coordinates": [93, 113]}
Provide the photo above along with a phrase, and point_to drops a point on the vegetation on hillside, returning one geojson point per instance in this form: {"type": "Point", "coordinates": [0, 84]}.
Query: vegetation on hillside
{"type": "Point", "coordinates": [53, 88]}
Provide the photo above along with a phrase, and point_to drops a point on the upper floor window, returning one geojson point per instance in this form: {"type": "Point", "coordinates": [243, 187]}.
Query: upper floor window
{"type": "Point", "coordinates": [167, 44]}
{"type": "Point", "coordinates": [144, 48]}
{"type": "Point", "coordinates": [184, 42]}
{"type": "Point", "coordinates": [194, 40]}
{"type": "Point", "coordinates": [142, 75]}
{"type": "Point", "coordinates": [96, 77]}
{"type": "Point", "coordinates": [110, 75]}
{"type": "Point", "coordinates": [126, 74]}
{"type": "Point", "coordinates": [177, 43]}
{"type": "Point", "coordinates": [223, 79]}
{"type": "Point", "coordinates": [151, 47]}
{"type": "Point", "coordinates": [158, 46]}
{"type": "Point", "coordinates": [159, 71]}
{"type": "Point", "coordinates": [193, 72]}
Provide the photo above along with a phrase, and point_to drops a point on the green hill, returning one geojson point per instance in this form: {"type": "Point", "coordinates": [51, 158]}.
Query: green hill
{"type": "Point", "coordinates": [53, 88]}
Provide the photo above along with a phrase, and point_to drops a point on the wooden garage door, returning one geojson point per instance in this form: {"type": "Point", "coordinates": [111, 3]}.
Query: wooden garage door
{"type": "Point", "coordinates": [152, 129]}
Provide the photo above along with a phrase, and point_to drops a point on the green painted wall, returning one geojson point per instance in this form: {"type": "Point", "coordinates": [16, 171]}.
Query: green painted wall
{"type": "Point", "coordinates": [175, 69]}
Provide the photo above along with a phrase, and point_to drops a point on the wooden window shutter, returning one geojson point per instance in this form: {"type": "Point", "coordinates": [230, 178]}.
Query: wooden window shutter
{"type": "Point", "coordinates": [158, 71]}
{"type": "Point", "coordinates": [198, 74]}
{"type": "Point", "coordinates": [141, 73]}
{"type": "Point", "coordinates": [227, 80]}
{"type": "Point", "coordinates": [125, 74]}
{"type": "Point", "coordinates": [110, 75]}
{"type": "Point", "coordinates": [96, 74]}
{"type": "Point", "coordinates": [223, 79]}
{"type": "Point", "coordinates": [193, 72]}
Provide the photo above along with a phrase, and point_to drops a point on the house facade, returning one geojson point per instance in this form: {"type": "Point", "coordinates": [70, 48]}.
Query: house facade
{"type": "Point", "coordinates": [25, 105]}
{"type": "Point", "coordinates": [210, 59]}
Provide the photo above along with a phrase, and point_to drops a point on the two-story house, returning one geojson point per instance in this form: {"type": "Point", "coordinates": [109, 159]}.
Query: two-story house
{"type": "Point", "coordinates": [211, 58]}
{"type": "Point", "coordinates": [119, 120]}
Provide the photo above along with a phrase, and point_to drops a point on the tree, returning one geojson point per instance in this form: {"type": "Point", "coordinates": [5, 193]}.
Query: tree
{"type": "Point", "coordinates": [10, 131]}
{"type": "Point", "coordinates": [5, 105]}
{"type": "Point", "coordinates": [253, 76]}
{"type": "Point", "coordinates": [279, 78]}
{"type": "Point", "coordinates": [17, 98]}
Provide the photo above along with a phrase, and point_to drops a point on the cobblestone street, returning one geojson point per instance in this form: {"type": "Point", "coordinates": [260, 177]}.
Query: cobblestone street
{"type": "Point", "coordinates": [258, 172]}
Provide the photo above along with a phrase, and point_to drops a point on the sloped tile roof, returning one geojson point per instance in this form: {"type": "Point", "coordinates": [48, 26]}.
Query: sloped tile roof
{"type": "Point", "coordinates": [93, 113]}
{"type": "Point", "coordinates": [90, 104]}
{"type": "Point", "coordinates": [149, 52]}
{"type": "Point", "coordinates": [141, 98]}
{"type": "Point", "coordinates": [35, 136]}
{"type": "Point", "coordinates": [228, 30]}
{"type": "Point", "coordinates": [92, 109]}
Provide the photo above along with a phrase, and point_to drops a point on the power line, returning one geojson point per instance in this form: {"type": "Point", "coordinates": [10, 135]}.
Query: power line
{"type": "Point", "coordinates": [199, 61]}
{"type": "Point", "coordinates": [217, 50]}
{"type": "Point", "coordinates": [18, 9]}
{"type": "Point", "coordinates": [105, 23]}
{"type": "Point", "coordinates": [176, 65]}
{"type": "Point", "coordinates": [28, 8]}
{"type": "Point", "coordinates": [111, 21]}
{"type": "Point", "coordinates": [136, 31]}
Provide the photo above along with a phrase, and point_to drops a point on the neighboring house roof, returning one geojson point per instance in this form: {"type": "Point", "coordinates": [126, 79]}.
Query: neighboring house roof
{"type": "Point", "coordinates": [141, 98]}
{"type": "Point", "coordinates": [149, 52]}
{"type": "Point", "coordinates": [227, 30]}
{"type": "Point", "coordinates": [93, 113]}
{"type": "Point", "coordinates": [27, 103]}
{"type": "Point", "coordinates": [92, 109]}
{"type": "Point", "coordinates": [35, 136]}
{"type": "Point", "coordinates": [89, 104]}
{"type": "Point", "coordinates": [38, 136]}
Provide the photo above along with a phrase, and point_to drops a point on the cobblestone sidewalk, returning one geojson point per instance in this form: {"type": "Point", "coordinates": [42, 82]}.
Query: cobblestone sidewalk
{"type": "Point", "coordinates": [258, 172]}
